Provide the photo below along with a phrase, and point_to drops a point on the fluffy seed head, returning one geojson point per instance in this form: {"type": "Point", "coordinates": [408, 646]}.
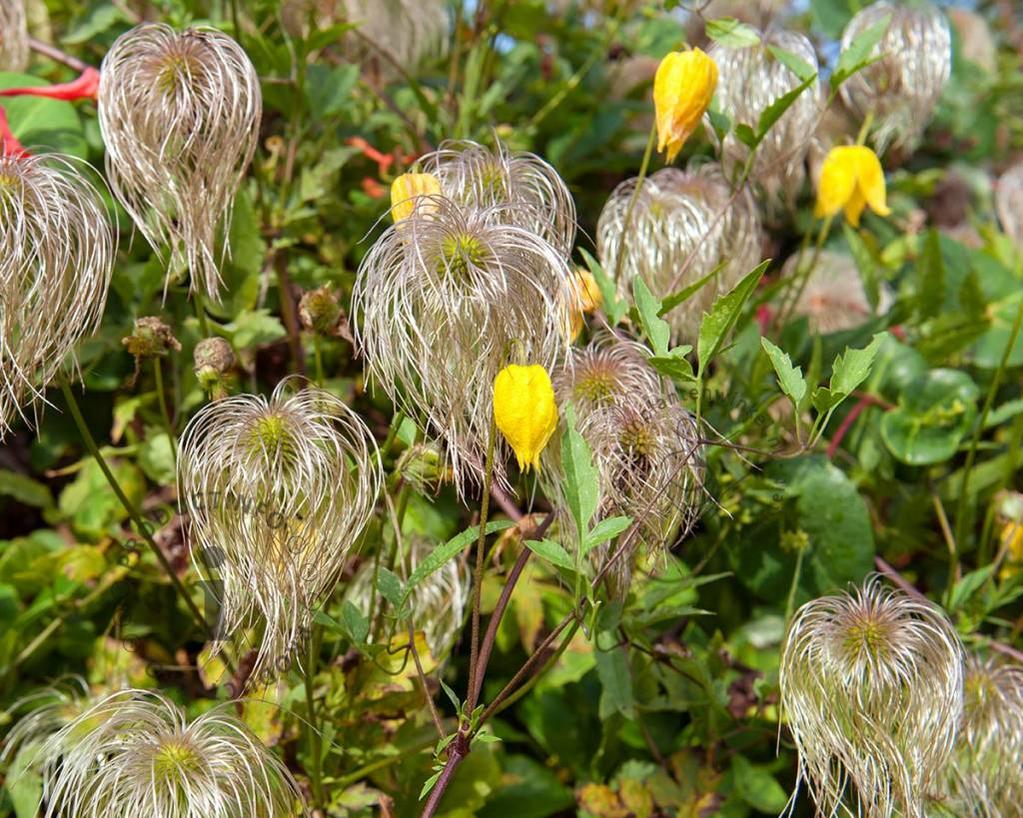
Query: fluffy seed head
{"type": "Point", "coordinates": [57, 252]}
{"type": "Point", "coordinates": [1009, 203]}
{"type": "Point", "coordinates": [985, 777]}
{"type": "Point", "coordinates": [493, 180]}
{"type": "Point", "coordinates": [871, 684]}
{"type": "Point", "coordinates": [438, 603]}
{"type": "Point", "coordinates": [48, 711]}
{"type": "Point", "coordinates": [135, 753]}
{"type": "Point", "coordinates": [678, 213]}
{"type": "Point", "coordinates": [14, 50]}
{"type": "Point", "coordinates": [278, 491]}
{"type": "Point", "coordinates": [444, 300]}
{"type": "Point", "coordinates": [750, 80]}
{"type": "Point", "coordinates": [834, 298]}
{"type": "Point", "coordinates": [903, 87]}
{"type": "Point", "coordinates": [180, 114]}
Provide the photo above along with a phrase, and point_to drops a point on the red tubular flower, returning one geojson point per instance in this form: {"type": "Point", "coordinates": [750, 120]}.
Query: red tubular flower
{"type": "Point", "coordinates": [85, 87]}
{"type": "Point", "coordinates": [9, 144]}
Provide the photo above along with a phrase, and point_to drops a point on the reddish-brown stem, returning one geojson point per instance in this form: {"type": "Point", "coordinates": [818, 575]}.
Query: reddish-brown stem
{"type": "Point", "coordinates": [846, 424]}
{"type": "Point", "coordinates": [57, 55]}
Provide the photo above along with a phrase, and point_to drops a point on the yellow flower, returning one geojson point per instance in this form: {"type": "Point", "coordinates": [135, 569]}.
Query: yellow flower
{"type": "Point", "coordinates": [406, 188]}
{"type": "Point", "coordinates": [851, 178]}
{"type": "Point", "coordinates": [525, 411]}
{"type": "Point", "coordinates": [683, 88]}
{"type": "Point", "coordinates": [588, 300]}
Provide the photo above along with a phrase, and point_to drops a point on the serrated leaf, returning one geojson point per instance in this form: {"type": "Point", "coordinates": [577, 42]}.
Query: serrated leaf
{"type": "Point", "coordinates": [649, 308]}
{"type": "Point", "coordinates": [675, 364]}
{"type": "Point", "coordinates": [672, 301]}
{"type": "Point", "coordinates": [581, 477]}
{"type": "Point", "coordinates": [852, 368]}
{"type": "Point", "coordinates": [430, 782]}
{"type": "Point", "coordinates": [605, 530]}
{"type": "Point", "coordinates": [789, 377]}
{"type": "Point", "coordinates": [733, 33]}
{"type": "Point", "coordinates": [724, 315]}
{"type": "Point", "coordinates": [442, 553]}
{"type": "Point", "coordinates": [389, 586]}
{"type": "Point", "coordinates": [553, 552]}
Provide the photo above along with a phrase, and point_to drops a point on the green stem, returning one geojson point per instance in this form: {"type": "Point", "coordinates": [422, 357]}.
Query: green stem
{"type": "Point", "coordinates": [382, 763]}
{"type": "Point", "coordinates": [164, 411]}
{"type": "Point", "coordinates": [200, 313]}
{"type": "Point", "coordinates": [644, 166]}
{"type": "Point", "coordinates": [129, 506]}
{"type": "Point", "coordinates": [318, 360]}
{"type": "Point", "coordinates": [790, 604]}
{"type": "Point", "coordinates": [315, 749]}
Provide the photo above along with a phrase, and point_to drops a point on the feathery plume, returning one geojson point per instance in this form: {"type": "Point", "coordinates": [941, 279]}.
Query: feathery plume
{"type": "Point", "coordinates": [180, 114]}
{"type": "Point", "coordinates": [135, 753]}
{"type": "Point", "coordinates": [679, 213]}
{"type": "Point", "coordinates": [985, 777]}
{"type": "Point", "coordinates": [752, 78]}
{"type": "Point", "coordinates": [51, 709]}
{"type": "Point", "coordinates": [520, 188]}
{"type": "Point", "coordinates": [871, 684]}
{"type": "Point", "coordinates": [278, 492]}
{"type": "Point", "coordinates": [14, 50]}
{"type": "Point", "coordinates": [834, 298]}
{"type": "Point", "coordinates": [903, 87]}
{"type": "Point", "coordinates": [57, 252]}
{"type": "Point", "coordinates": [445, 296]}
{"type": "Point", "coordinates": [1009, 203]}
{"type": "Point", "coordinates": [437, 603]}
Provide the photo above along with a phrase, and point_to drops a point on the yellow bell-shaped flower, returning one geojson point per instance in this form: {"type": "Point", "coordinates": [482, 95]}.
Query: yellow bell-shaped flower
{"type": "Point", "coordinates": [525, 411]}
{"type": "Point", "coordinates": [407, 188]}
{"type": "Point", "coordinates": [851, 179]}
{"type": "Point", "coordinates": [587, 301]}
{"type": "Point", "coordinates": [683, 88]}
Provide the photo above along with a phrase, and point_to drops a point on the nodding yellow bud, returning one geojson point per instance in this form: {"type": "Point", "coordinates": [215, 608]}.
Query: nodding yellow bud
{"type": "Point", "coordinates": [851, 179]}
{"type": "Point", "coordinates": [588, 299]}
{"type": "Point", "coordinates": [683, 88]}
{"type": "Point", "coordinates": [405, 190]}
{"type": "Point", "coordinates": [525, 411]}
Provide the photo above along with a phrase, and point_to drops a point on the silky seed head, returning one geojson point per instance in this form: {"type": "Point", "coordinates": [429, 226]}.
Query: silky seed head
{"type": "Point", "coordinates": [678, 213]}
{"type": "Point", "coordinates": [1009, 203]}
{"type": "Point", "coordinates": [57, 252]}
{"type": "Point", "coordinates": [278, 491]}
{"type": "Point", "coordinates": [14, 50]}
{"type": "Point", "coordinates": [834, 298]}
{"type": "Point", "coordinates": [444, 300]}
{"type": "Point", "coordinates": [135, 753]}
{"type": "Point", "coordinates": [180, 114]}
{"type": "Point", "coordinates": [871, 684]}
{"type": "Point", "coordinates": [903, 87]}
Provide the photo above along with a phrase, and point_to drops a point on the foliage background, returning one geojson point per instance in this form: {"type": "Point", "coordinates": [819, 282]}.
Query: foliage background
{"type": "Point", "coordinates": [672, 708]}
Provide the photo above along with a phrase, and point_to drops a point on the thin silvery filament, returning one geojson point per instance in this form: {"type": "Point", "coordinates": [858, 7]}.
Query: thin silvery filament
{"type": "Point", "coordinates": [135, 753]}
{"type": "Point", "coordinates": [409, 31]}
{"type": "Point", "coordinates": [180, 114]}
{"type": "Point", "coordinates": [834, 297]}
{"type": "Point", "coordinates": [278, 491]}
{"type": "Point", "coordinates": [57, 250]}
{"type": "Point", "coordinates": [445, 298]}
{"type": "Point", "coordinates": [684, 226]}
{"type": "Point", "coordinates": [903, 87]}
{"type": "Point", "coordinates": [749, 80]}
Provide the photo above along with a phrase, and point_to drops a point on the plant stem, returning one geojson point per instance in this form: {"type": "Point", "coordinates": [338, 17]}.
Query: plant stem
{"type": "Point", "coordinates": [381, 764]}
{"type": "Point", "coordinates": [790, 604]}
{"type": "Point", "coordinates": [477, 578]}
{"type": "Point", "coordinates": [129, 506]}
{"type": "Point", "coordinates": [644, 166]}
{"type": "Point", "coordinates": [164, 411]}
{"type": "Point", "coordinates": [200, 313]}
{"type": "Point", "coordinates": [315, 750]}
{"type": "Point", "coordinates": [318, 360]}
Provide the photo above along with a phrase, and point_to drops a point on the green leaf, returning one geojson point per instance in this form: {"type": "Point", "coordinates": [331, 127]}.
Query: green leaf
{"type": "Point", "coordinates": [931, 269]}
{"type": "Point", "coordinates": [773, 112]}
{"type": "Point", "coordinates": [789, 377]}
{"type": "Point", "coordinates": [852, 368]}
{"type": "Point", "coordinates": [757, 787]}
{"type": "Point", "coordinates": [935, 412]}
{"type": "Point", "coordinates": [969, 585]}
{"type": "Point", "coordinates": [553, 552]}
{"type": "Point", "coordinates": [614, 308]}
{"type": "Point", "coordinates": [745, 134]}
{"type": "Point", "coordinates": [582, 485]}
{"type": "Point", "coordinates": [724, 315]}
{"type": "Point", "coordinates": [442, 553]}
{"type": "Point", "coordinates": [672, 301]}
{"type": "Point", "coordinates": [157, 458]}
{"type": "Point", "coordinates": [255, 328]}
{"type": "Point", "coordinates": [41, 124]}
{"type": "Point", "coordinates": [24, 489]}
{"type": "Point", "coordinates": [857, 55]}
{"type": "Point", "coordinates": [674, 364]}
{"type": "Point", "coordinates": [732, 33]}
{"type": "Point", "coordinates": [615, 678]}
{"type": "Point", "coordinates": [389, 586]}
{"type": "Point", "coordinates": [796, 64]}
{"type": "Point", "coordinates": [603, 531]}
{"type": "Point", "coordinates": [656, 328]}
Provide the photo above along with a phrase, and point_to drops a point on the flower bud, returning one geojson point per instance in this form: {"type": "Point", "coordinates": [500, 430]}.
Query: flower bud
{"type": "Point", "coordinates": [214, 360]}
{"type": "Point", "coordinates": [525, 411]}
{"type": "Point", "coordinates": [588, 300]}
{"type": "Point", "coordinates": [851, 179]}
{"type": "Point", "coordinates": [683, 88]}
{"type": "Point", "coordinates": [151, 338]}
{"type": "Point", "coordinates": [319, 310]}
{"type": "Point", "coordinates": [407, 188]}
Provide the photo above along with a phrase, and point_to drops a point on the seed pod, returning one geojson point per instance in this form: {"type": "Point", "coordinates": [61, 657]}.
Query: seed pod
{"type": "Point", "coordinates": [57, 252]}
{"type": "Point", "coordinates": [752, 78]}
{"type": "Point", "coordinates": [14, 50]}
{"type": "Point", "coordinates": [444, 300]}
{"type": "Point", "coordinates": [903, 87]}
{"type": "Point", "coordinates": [278, 492]}
{"type": "Point", "coordinates": [871, 684]}
{"type": "Point", "coordinates": [135, 753]}
{"type": "Point", "coordinates": [678, 214]}
{"type": "Point", "coordinates": [180, 114]}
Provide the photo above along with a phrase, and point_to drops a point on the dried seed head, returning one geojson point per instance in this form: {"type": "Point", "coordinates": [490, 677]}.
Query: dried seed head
{"type": "Point", "coordinates": [491, 180]}
{"type": "Point", "coordinates": [871, 684]}
{"type": "Point", "coordinates": [445, 299]}
{"type": "Point", "coordinates": [902, 88]}
{"type": "Point", "coordinates": [278, 492]}
{"type": "Point", "coordinates": [319, 310]}
{"type": "Point", "coordinates": [750, 80]}
{"type": "Point", "coordinates": [14, 50]}
{"type": "Point", "coordinates": [135, 753]}
{"type": "Point", "coordinates": [678, 213]}
{"type": "Point", "coordinates": [834, 298]}
{"type": "Point", "coordinates": [151, 338]}
{"type": "Point", "coordinates": [985, 777]}
{"type": "Point", "coordinates": [438, 603]}
{"type": "Point", "coordinates": [57, 252]}
{"type": "Point", "coordinates": [1009, 203]}
{"type": "Point", "coordinates": [180, 114]}
{"type": "Point", "coordinates": [49, 711]}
